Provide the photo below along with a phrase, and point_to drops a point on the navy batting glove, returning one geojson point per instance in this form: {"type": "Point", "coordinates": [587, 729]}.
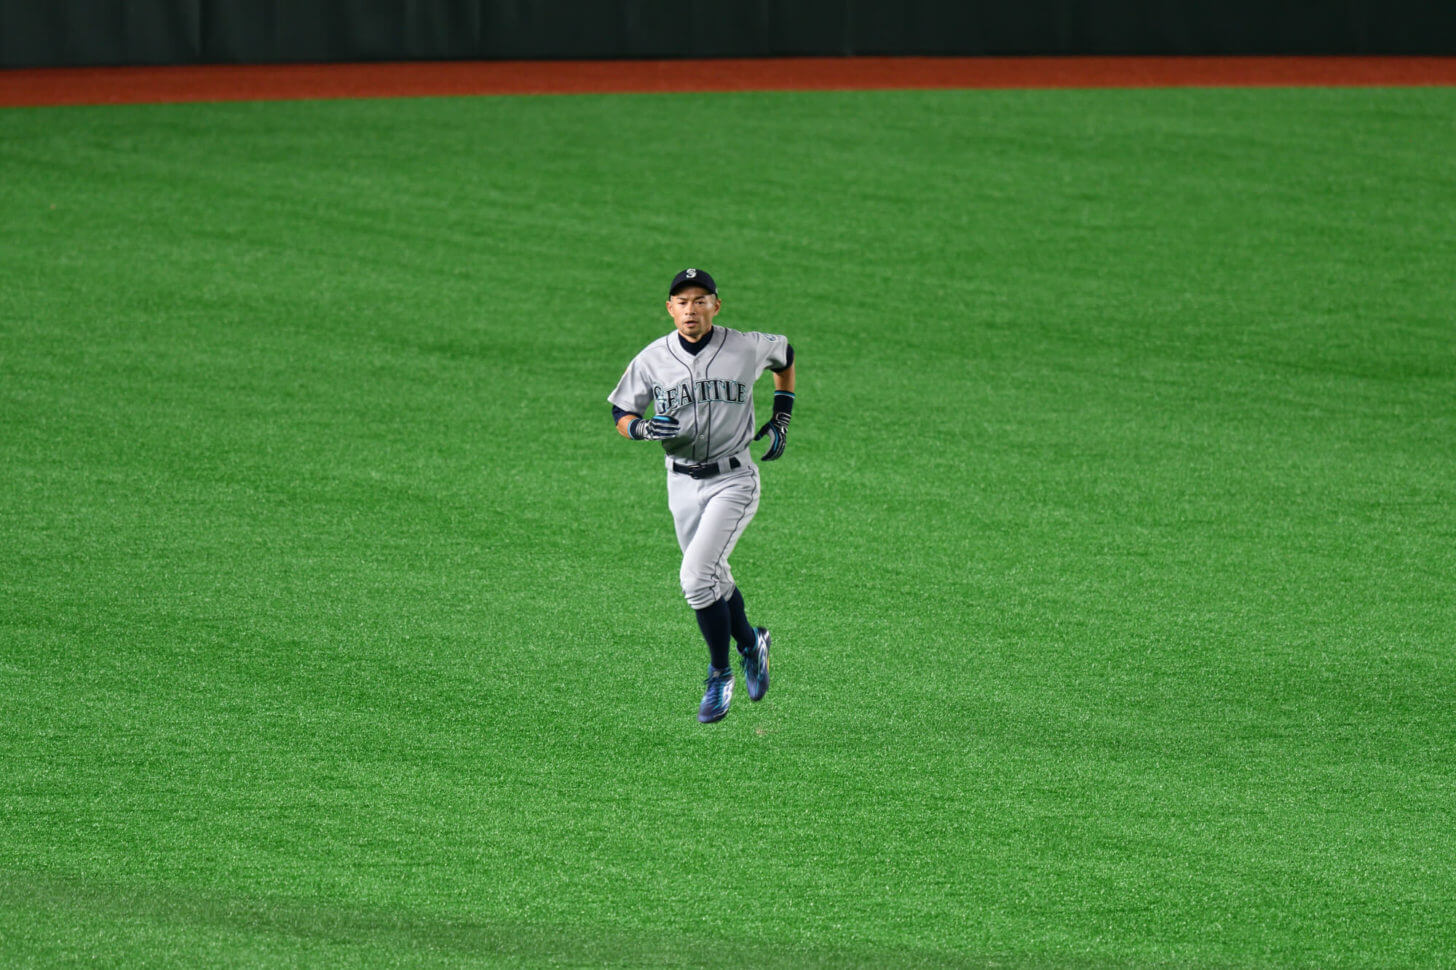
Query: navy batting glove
{"type": "Point", "coordinates": [777, 427]}
{"type": "Point", "coordinates": [778, 437]}
{"type": "Point", "coordinates": [660, 428]}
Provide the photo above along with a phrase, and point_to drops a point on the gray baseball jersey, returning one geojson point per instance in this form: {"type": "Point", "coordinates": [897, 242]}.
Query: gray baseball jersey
{"type": "Point", "coordinates": [710, 393]}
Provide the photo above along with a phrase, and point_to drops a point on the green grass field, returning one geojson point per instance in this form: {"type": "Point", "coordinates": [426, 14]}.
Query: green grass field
{"type": "Point", "coordinates": [1111, 565]}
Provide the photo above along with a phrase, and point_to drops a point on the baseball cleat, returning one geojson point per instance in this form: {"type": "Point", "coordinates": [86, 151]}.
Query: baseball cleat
{"type": "Point", "coordinates": [755, 664]}
{"type": "Point", "coordinates": [718, 695]}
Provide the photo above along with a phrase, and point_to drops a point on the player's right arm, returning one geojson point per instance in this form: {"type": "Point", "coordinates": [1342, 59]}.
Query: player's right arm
{"type": "Point", "coordinates": [631, 425]}
{"type": "Point", "coordinates": [629, 402]}
{"type": "Point", "coordinates": [630, 399]}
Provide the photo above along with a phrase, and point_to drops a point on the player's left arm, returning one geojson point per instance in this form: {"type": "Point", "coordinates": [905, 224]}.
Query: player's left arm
{"type": "Point", "coordinates": [777, 426]}
{"type": "Point", "coordinates": [784, 379]}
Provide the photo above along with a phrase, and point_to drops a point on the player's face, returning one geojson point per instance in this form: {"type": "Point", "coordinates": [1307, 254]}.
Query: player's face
{"type": "Point", "coordinates": [692, 309]}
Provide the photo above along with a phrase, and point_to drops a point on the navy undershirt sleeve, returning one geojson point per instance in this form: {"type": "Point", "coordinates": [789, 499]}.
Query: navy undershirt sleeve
{"type": "Point", "coordinates": [618, 414]}
{"type": "Point", "coordinates": [788, 361]}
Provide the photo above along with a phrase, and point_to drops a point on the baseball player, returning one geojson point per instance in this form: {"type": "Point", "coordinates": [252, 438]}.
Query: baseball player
{"type": "Point", "coordinates": [698, 382]}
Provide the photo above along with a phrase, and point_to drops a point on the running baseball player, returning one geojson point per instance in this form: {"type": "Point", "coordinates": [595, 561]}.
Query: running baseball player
{"type": "Point", "coordinates": [698, 382]}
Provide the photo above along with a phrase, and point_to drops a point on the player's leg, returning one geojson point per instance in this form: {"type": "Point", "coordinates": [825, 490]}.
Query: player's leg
{"type": "Point", "coordinates": [726, 508]}
{"type": "Point", "coordinates": [685, 498]}
{"type": "Point", "coordinates": [685, 506]}
{"type": "Point", "coordinates": [753, 642]}
{"type": "Point", "coordinates": [753, 646]}
{"type": "Point", "coordinates": [738, 619]}
{"type": "Point", "coordinates": [714, 625]}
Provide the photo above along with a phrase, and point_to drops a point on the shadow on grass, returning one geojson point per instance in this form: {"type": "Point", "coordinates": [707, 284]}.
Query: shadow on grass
{"type": "Point", "coordinates": [396, 938]}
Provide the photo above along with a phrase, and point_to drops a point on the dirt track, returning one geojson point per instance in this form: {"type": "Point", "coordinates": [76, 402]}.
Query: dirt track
{"type": "Point", "coordinates": [130, 85]}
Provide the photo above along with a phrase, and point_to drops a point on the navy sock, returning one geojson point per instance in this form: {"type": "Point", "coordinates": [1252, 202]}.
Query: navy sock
{"type": "Point", "coordinates": [713, 621]}
{"type": "Point", "coordinates": [738, 617]}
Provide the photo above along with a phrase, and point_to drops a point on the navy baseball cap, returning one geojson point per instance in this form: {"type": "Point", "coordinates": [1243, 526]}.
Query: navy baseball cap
{"type": "Point", "coordinates": [693, 277]}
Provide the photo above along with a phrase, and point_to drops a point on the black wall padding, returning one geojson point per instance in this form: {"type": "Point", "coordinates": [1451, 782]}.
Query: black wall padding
{"type": "Point", "coordinates": [37, 33]}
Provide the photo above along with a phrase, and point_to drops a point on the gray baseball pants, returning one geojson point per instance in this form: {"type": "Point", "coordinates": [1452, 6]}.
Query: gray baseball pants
{"type": "Point", "coordinates": [710, 514]}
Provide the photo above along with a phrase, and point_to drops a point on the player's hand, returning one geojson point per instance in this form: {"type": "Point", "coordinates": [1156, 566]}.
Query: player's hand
{"type": "Point", "coordinates": [660, 428]}
{"type": "Point", "coordinates": [777, 427]}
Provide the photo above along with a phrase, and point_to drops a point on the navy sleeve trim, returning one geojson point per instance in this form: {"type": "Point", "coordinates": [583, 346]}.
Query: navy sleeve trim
{"type": "Point", "coordinates": [788, 361]}
{"type": "Point", "coordinates": [618, 414]}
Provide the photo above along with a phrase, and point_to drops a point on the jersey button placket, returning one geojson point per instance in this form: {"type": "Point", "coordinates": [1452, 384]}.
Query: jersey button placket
{"type": "Point", "coordinates": [701, 416]}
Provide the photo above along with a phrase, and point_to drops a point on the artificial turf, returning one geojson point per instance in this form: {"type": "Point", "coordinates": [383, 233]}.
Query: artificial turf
{"type": "Point", "coordinates": [1110, 564]}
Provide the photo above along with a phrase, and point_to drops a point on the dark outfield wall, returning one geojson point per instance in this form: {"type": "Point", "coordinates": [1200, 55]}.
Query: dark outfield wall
{"type": "Point", "coordinates": [35, 33]}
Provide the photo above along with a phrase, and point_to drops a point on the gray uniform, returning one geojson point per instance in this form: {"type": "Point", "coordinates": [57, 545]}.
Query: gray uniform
{"type": "Point", "coordinates": [711, 395]}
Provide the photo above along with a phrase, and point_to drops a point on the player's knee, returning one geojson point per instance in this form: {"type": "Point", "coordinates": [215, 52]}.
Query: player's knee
{"type": "Point", "coordinates": [700, 595]}
{"type": "Point", "coordinates": [698, 589]}
{"type": "Point", "coordinates": [700, 598]}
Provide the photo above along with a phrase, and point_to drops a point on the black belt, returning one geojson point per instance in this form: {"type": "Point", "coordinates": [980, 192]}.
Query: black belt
{"type": "Point", "coordinates": [707, 470]}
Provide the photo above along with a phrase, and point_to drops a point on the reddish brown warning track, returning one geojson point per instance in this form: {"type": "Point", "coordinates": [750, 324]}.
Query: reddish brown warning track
{"type": "Point", "coordinates": [120, 85]}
